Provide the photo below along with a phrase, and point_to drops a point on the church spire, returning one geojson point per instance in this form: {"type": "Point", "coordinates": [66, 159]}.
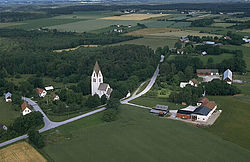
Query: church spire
{"type": "Point", "coordinates": [96, 68]}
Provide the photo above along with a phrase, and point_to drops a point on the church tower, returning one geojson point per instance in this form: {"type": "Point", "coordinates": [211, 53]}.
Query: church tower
{"type": "Point", "coordinates": [96, 79]}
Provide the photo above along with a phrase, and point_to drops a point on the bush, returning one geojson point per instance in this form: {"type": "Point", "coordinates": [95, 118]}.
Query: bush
{"type": "Point", "coordinates": [35, 138]}
{"type": "Point", "coordinates": [110, 115]}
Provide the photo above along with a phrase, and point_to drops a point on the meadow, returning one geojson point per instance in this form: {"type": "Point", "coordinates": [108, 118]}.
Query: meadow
{"type": "Point", "coordinates": [4, 25]}
{"type": "Point", "coordinates": [138, 136]}
{"type": "Point", "coordinates": [21, 151]}
{"type": "Point", "coordinates": [7, 113]}
{"type": "Point", "coordinates": [223, 25]}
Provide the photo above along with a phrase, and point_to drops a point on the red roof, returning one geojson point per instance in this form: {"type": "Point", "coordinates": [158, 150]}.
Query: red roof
{"type": "Point", "coordinates": [210, 105]}
{"type": "Point", "coordinates": [39, 90]}
{"type": "Point", "coordinates": [54, 95]}
{"type": "Point", "coordinates": [203, 100]}
{"type": "Point", "coordinates": [24, 105]}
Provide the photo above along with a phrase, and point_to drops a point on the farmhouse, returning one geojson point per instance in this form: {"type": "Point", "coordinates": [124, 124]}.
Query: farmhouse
{"type": "Point", "coordinates": [228, 76]}
{"type": "Point", "coordinates": [26, 108]}
{"type": "Point", "coordinates": [201, 112]}
{"type": "Point", "coordinates": [97, 85]}
{"type": "Point", "coordinates": [55, 97]}
{"type": "Point", "coordinates": [207, 72]}
{"type": "Point", "coordinates": [8, 97]}
{"type": "Point", "coordinates": [41, 92]}
{"type": "Point", "coordinates": [192, 82]}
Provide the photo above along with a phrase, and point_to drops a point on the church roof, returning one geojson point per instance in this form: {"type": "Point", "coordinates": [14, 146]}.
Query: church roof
{"type": "Point", "coordinates": [103, 87]}
{"type": "Point", "coordinates": [97, 68]}
{"type": "Point", "coordinates": [228, 74]}
{"type": "Point", "coordinates": [109, 91]}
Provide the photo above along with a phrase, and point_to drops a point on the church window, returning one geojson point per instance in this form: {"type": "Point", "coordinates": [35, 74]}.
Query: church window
{"type": "Point", "coordinates": [100, 80]}
{"type": "Point", "coordinates": [94, 80]}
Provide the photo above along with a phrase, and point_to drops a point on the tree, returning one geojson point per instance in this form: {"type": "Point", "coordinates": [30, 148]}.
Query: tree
{"type": "Point", "coordinates": [109, 115]}
{"type": "Point", "coordinates": [113, 103]}
{"type": "Point", "coordinates": [103, 99]}
{"type": "Point", "coordinates": [178, 45]}
{"type": "Point", "coordinates": [93, 101]}
{"type": "Point", "coordinates": [35, 138]}
{"type": "Point", "coordinates": [210, 60]}
{"type": "Point", "coordinates": [189, 72]}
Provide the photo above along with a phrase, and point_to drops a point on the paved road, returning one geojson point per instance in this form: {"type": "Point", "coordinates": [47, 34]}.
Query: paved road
{"type": "Point", "coordinates": [48, 124]}
{"type": "Point", "coordinates": [149, 86]}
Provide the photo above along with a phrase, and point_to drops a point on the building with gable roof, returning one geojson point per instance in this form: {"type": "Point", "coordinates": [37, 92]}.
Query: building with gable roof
{"type": "Point", "coordinates": [26, 108]}
{"type": "Point", "coordinates": [228, 76]}
{"type": "Point", "coordinates": [41, 92]}
{"type": "Point", "coordinates": [7, 97]}
{"type": "Point", "coordinates": [97, 85]}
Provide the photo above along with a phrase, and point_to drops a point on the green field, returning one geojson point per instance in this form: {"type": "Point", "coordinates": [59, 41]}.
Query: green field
{"type": "Point", "coordinates": [152, 41]}
{"type": "Point", "coordinates": [244, 87]}
{"type": "Point", "coordinates": [223, 25]}
{"type": "Point", "coordinates": [166, 24]}
{"type": "Point", "coordinates": [216, 58]}
{"type": "Point", "coordinates": [234, 123]}
{"type": "Point", "coordinates": [7, 113]}
{"type": "Point", "coordinates": [138, 136]}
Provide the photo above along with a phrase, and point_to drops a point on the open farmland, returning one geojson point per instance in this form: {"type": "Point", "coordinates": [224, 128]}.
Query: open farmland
{"type": "Point", "coordinates": [4, 25]}
{"type": "Point", "coordinates": [20, 152]}
{"type": "Point", "coordinates": [223, 25]}
{"type": "Point", "coordinates": [167, 24]}
{"type": "Point", "coordinates": [138, 136]}
{"type": "Point", "coordinates": [152, 41]}
{"type": "Point", "coordinates": [148, 31]}
{"type": "Point", "coordinates": [184, 33]}
{"type": "Point", "coordinates": [246, 30]}
{"type": "Point", "coordinates": [137, 17]}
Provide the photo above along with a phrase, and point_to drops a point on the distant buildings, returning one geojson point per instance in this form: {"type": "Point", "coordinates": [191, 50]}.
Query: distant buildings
{"type": "Point", "coordinates": [55, 97]}
{"type": "Point", "coordinates": [97, 85]}
{"type": "Point", "coordinates": [192, 82]}
{"type": "Point", "coordinates": [160, 110]}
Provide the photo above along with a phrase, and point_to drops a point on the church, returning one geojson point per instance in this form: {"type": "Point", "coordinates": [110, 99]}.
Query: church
{"type": "Point", "coordinates": [97, 85]}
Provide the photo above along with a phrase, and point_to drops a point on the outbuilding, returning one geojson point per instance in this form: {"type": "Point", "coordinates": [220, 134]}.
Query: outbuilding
{"type": "Point", "coordinates": [8, 97]}
{"type": "Point", "coordinates": [228, 76]}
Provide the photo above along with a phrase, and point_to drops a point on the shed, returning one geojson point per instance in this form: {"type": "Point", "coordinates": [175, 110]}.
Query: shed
{"type": "Point", "coordinates": [228, 76]}
{"type": "Point", "coordinates": [162, 108]}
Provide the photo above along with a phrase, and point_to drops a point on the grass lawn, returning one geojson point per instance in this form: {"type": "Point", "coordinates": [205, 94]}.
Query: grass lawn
{"type": "Point", "coordinates": [152, 101]}
{"type": "Point", "coordinates": [7, 113]}
{"type": "Point", "coordinates": [234, 123]}
{"type": "Point", "coordinates": [216, 58]}
{"type": "Point", "coordinates": [244, 87]}
{"type": "Point", "coordinates": [138, 136]}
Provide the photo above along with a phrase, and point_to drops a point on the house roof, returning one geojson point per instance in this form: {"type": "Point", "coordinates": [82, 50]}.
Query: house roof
{"type": "Point", "coordinates": [195, 81]}
{"type": "Point", "coordinates": [49, 88]}
{"type": "Point", "coordinates": [39, 90]}
{"type": "Point", "coordinates": [161, 107]}
{"type": "Point", "coordinates": [7, 95]}
{"type": "Point", "coordinates": [24, 105]}
{"type": "Point", "coordinates": [96, 68]}
{"type": "Point", "coordinates": [202, 110]}
{"type": "Point", "coordinates": [103, 86]}
{"type": "Point", "coordinates": [203, 100]}
{"type": "Point", "coordinates": [210, 105]}
{"type": "Point", "coordinates": [228, 74]}
{"type": "Point", "coordinates": [54, 95]}
{"type": "Point", "coordinates": [207, 71]}
{"type": "Point", "coordinates": [184, 112]}
{"type": "Point", "coordinates": [189, 108]}
{"type": "Point", "coordinates": [109, 91]}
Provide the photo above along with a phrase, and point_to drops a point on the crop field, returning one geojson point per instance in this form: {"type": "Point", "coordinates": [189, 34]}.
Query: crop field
{"type": "Point", "coordinates": [223, 25]}
{"type": "Point", "coordinates": [89, 25]}
{"type": "Point", "coordinates": [184, 33]}
{"type": "Point", "coordinates": [148, 31]}
{"type": "Point", "coordinates": [45, 22]}
{"type": "Point", "coordinates": [137, 17]}
{"type": "Point", "coordinates": [246, 30]}
{"type": "Point", "coordinates": [167, 24]}
{"type": "Point", "coordinates": [4, 25]}
{"type": "Point", "coordinates": [20, 152]}
{"type": "Point", "coordinates": [152, 41]}
{"type": "Point", "coordinates": [138, 136]}
{"type": "Point", "coordinates": [7, 113]}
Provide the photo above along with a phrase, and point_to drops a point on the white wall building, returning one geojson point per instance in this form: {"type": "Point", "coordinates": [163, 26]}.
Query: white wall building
{"type": "Point", "coordinates": [41, 92]}
{"type": "Point", "coordinates": [26, 108]}
{"type": "Point", "coordinates": [97, 85]}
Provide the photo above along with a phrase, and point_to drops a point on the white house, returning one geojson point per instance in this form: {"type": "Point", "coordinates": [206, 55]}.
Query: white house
{"type": "Point", "coordinates": [210, 43]}
{"type": "Point", "coordinates": [192, 82]}
{"type": "Point", "coordinates": [97, 85]}
{"type": "Point", "coordinates": [228, 76]}
{"type": "Point", "coordinates": [26, 108]}
{"type": "Point", "coordinates": [8, 97]}
{"type": "Point", "coordinates": [41, 92]}
{"type": "Point", "coordinates": [203, 112]}
{"type": "Point", "coordinates": [55, 97]}
{"type": "Point", "coordinates": [203, 53]}
{"type": "Point", "coordinates": [49, 88]}
{"type": "Point", "coordinates": [246, 40]}
{"type": "Point", "coordinates": [183, 84]}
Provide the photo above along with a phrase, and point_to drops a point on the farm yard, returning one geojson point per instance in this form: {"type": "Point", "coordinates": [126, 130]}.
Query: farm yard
{"type": "Point", "coordinates": [82, 139]}
{"type": "Point", "coordinates": [21, 151]}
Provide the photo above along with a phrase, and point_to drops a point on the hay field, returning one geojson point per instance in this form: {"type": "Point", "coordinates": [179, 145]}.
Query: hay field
{"type": "Point", "coordinates": [184, 33]}
{"type": "Point", "coordinates": [72, 49]}
{"type": "Point", "coordinates": [4, 25]}
{"type": "Point", "coordinates": [246, 30]}
{"type": "Point", "coordinates": [20, 152]}
{"type": "Point", "coordinates": [147, 31]}
{"type": "Point", "coordinates": [134, 17]}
